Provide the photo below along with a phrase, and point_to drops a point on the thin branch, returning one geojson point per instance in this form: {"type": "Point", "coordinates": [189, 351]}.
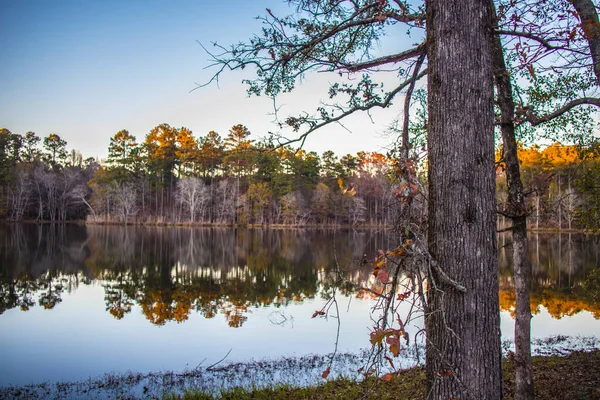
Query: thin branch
{"type": "Point", "coordinates": [209, 368]}
{"type": "Point", "coordinates": [535, 120]}
{"type": "Point", "coordinates": [394, 58]}
{"type": "Point", "coordinates": [544, 42]}
{"type": "Point", "coordinates": [407, 99]}
{"type": "Point", "coordinates": [382, 104]}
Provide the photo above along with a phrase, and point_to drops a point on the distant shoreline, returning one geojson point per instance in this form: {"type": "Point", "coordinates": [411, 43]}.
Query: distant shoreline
{"type": "Point", "coordinates": [255, 226]}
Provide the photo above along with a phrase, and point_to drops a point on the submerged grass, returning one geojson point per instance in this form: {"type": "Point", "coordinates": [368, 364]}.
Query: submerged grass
{"type": "Point", "coordinates": [574, 376]}
{"type": "Point", "coordinates": [565, 368]}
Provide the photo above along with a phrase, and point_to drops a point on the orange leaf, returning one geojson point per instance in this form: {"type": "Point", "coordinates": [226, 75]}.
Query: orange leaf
{"type": "Point", "coordinates": [398, 251]}
{"type": "Point", "coordinates": [317, 313]}
{"type": "Point", "coordinates": [325, 373]}
{"type": "Point", "coordinates": [388, 377]}
{"type": "Point", "coordinates": [403, 296]}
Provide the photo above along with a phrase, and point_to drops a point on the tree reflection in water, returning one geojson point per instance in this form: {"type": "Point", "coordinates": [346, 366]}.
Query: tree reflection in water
{"type": "Point", "coordinates": [561, 265]}
{"type": "Point", "coordinates": [171, 272]}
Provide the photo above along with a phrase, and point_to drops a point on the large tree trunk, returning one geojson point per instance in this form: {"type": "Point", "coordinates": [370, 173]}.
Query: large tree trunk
{"type": "Point", "coordinates": [517, 210]}
{"type": "Point", "coordinates": [591, 27]}
{"type": "Point", "coordinates": [463, 328]}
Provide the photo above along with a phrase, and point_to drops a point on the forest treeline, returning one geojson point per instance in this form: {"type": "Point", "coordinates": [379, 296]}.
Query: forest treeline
{"type": "Point", "coordinates": [174, 177]}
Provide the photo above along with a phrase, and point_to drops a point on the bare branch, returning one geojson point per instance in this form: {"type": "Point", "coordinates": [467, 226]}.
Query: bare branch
{"type": "Point", "coordinates": [394, 58]}
{"type": "Point", "coordinates": [544, 42]}
{"type": "Point", "coordinates": [407, 99]}
{"type": "Point", "coordinates": [381, 104]}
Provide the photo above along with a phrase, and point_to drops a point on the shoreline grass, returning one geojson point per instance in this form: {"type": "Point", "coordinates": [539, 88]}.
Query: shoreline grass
{"type": "Point", "coordinates": [562, 370]}
{"type": "Point", "coordinates": [574, 376]}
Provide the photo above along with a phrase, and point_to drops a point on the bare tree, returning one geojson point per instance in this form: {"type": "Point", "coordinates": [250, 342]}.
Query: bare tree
{"type": "Point", "coordinates": [357, 210]}
{"type": "Point", "coordinates": [125, 200]}
{"type": "Point", "coordinates": [193, 194]}
{"type": "Point", "coordinates": [19, 194]}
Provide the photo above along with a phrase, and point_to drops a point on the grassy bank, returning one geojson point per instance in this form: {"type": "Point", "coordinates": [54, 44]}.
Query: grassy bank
{"type": "Point", "coordinates": [575, 376]}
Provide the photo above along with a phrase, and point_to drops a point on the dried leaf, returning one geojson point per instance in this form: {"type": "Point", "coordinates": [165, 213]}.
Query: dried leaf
{"type": "Point", "coordinates": [380, 17]}
{"type": "Point", "coordinates": [317, 313]}
{"type": "Point", "coordinates": [388, 377]}
{"type": "Point", "coordinates": [377, 336]}
{"type": "Point", "coordinates": [403, 296]}
{"type": "Point", "coordinates": [325, 373]}
{"type": "Point", "coordinates": [382, 276]}
{"type": "Point", "coordinates": [398, 251]}
{"type": "Point", "coordinates": [394, 343]}
{"type": "Point", "coordinates": [531, 70]}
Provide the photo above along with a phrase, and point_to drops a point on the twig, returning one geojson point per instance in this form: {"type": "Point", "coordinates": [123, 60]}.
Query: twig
{"type": "Point", "coordinates": [218, 362]}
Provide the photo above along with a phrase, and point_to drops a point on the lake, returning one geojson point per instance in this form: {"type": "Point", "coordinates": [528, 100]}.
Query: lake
{"type": "Point", "coordinates": [77, 301]}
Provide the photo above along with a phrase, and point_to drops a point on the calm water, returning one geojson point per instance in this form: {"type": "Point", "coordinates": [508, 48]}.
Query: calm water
{"type": "Point", "coordinates": [77, 302]}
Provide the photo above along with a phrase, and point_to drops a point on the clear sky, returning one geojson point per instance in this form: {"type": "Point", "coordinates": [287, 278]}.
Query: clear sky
{"type": "Point", "coordinates": [85, 69]}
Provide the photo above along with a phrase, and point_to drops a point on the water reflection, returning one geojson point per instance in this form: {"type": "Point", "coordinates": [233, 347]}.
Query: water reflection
{"type": "Point", "coordinates": [41, 262]}
{"type": "Point", "coordinates": [171, 272]}
{"type": "Point", "coordinates": [561, 263]}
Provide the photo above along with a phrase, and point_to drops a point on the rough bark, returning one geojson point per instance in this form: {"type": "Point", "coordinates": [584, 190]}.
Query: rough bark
{"type": "Point", "coordinates": [591, 28]}
{"type": "Point", "coordinates": [463, 329]}
{"type": "Point", "coordinates": [516, 209]}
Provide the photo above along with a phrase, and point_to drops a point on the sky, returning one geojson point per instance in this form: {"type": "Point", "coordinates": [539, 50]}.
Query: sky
{"type": "Point", "coordinates": [86, 69]}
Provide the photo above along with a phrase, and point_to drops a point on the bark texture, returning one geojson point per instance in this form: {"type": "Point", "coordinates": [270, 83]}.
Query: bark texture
{"type": "Point", "coordinates": [463, 329]}
{"type": "Point", "coordinates": [517, 209]}
{"type": "Point", "coordinates": [591, 28]}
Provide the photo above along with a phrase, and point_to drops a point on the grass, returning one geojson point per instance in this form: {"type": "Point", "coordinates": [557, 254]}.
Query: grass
{"type": "Point", "coordinates": [575, 376]}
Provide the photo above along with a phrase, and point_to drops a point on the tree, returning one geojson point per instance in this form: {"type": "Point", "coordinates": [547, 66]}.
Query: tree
{"type": "Point", "coordinates": [125, 198]}
{"type": "Point", "coordinates": [56, 150]}
{"type": "Point", "coordinates": [516, 210]}
{"type": "Point", "coordinates": [466, 362]}
{"type": "Point", "coordinates": [337, 37]}
{"type": "Point", "coordinates": [186, 151]}
{"type": "Point", "coordinates": [239, 153]}
{"type": "Point", "coordinates": [550, 40]}
{"type": "Point", "coordinates": [211, 155]}
{"type": "Point", "coordinates": [10, 144]}
{"type": "Point", "coordinates": [160, 149]}
{"type": "Point", "coordinates": [121, 152]}
{"type": "Point", "coordinates": [259, 195]}
{"type": "Point", "coordinates": [272, 168]}
{"type": "Point", "coordinates": [30, 152]}
{"type": "Point", "coordinates": [320, 203]}
{"type": "Point", "coordinates": [586, 12]}
{"type": "Point", "coordinates": [304, 170]}
{"type": "Point", "coordinates": [238, 147]}
{"type": "Point", "coordinates": [357, 210]}
{"type": "Point", "coordinates": [193, 194]}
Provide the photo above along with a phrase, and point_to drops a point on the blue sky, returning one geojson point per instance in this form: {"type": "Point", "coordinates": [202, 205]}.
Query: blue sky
{"type": "Point", "coordinates": [87, 69]}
